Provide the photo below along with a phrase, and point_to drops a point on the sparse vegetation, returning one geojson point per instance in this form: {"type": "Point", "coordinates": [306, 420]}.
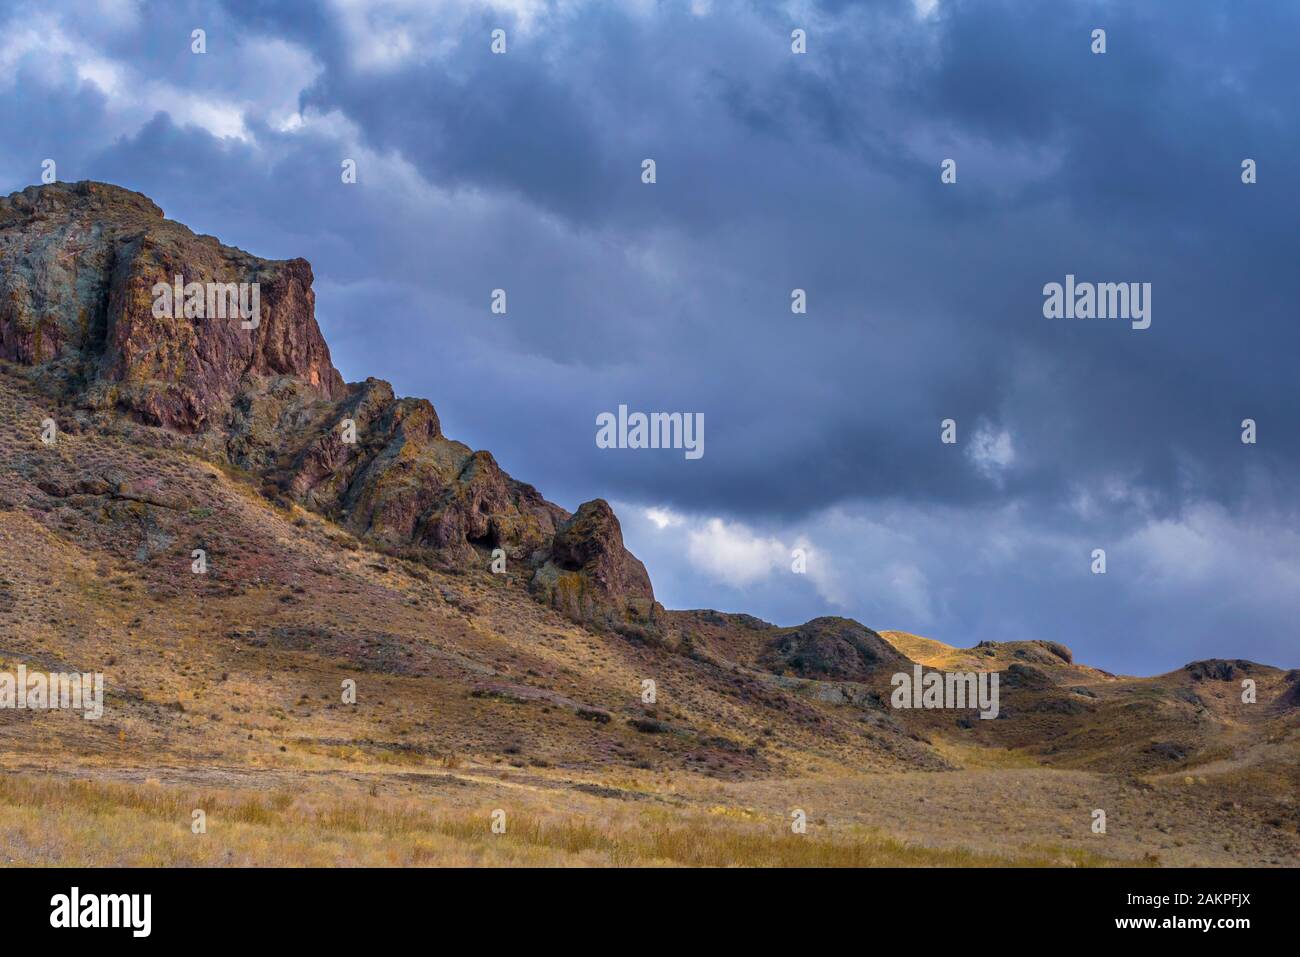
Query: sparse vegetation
{"type": "Point", "coordinates": [85, 823]}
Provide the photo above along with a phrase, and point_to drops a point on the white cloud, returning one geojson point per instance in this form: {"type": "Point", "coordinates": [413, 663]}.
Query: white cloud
{"type": "Point", "coordinates": [824, 573]}
{"type": "Point", "coordinates": [105, 74]}
{"type": "Point", "coordinates": [962, 575]}
{"type": "Point", "coordinates": [663, 518]}
{"type": "Point", "coordinates": [993, 452]}
{"type": "Point", "coordinates": [385, 35]}
{"type": "Point", "coordinates": [732, 553]}
{"type": "Point", "coordinates": [847, 558]}
{"type": "Point", "coordinates": [1208, 547]}
{"type": "Point", "coordinates": [259, 78]}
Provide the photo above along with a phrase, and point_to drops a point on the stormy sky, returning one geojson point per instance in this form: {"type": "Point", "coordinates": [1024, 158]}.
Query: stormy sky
{"type": "Point", "coordinates": [775, 171]}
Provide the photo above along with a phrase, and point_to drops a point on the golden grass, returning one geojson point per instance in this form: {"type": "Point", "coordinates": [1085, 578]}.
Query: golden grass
{"type": "Point", "coordinates": [46, 821]}
{"type": "Point", "coordinates": [974, 756]}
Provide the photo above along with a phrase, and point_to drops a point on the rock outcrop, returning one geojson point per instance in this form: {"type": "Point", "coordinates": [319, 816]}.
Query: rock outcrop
{"type": "Point", "coordinates": [78, 266]}
{"type": "Point", "coordinates": [90, 303]}
{"type": "Point", "coordinates": [1220, 669]}
{"type": "Point", "coordinates": [833, 648]}
{"type": "Point", "coordinates": [588, 567]}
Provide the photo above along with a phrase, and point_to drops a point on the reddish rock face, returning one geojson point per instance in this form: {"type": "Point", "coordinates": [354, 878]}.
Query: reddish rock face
{"type": "Point", "coordinates": [78, 268]}
{"type": "Point", "coordinates": [80, 273]}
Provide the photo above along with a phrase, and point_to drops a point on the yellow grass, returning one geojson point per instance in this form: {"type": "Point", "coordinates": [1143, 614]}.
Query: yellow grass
{"type": "Point", "coordinates": [46, 821]}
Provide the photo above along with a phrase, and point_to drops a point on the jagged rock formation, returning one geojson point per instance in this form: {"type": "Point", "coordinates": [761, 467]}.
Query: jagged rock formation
{"type": "Point", "coordinates": [82, 269]}
{"type": "Point", "coordinates": [588, 561]}
{"type": "Point", "coordinates": [77, 266]}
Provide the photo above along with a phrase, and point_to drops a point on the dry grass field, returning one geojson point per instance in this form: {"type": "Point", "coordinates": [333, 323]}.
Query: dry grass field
{"type": "Point", "coordinates": [93, 822]}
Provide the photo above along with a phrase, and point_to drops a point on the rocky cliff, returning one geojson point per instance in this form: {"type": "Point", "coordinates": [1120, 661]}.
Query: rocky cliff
{"type": "Point", "coordinates": [118, 312]}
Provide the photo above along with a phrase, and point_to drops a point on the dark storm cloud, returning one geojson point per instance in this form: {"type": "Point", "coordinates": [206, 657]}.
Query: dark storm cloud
{"type": "Point", "coordinates": [775, 175]}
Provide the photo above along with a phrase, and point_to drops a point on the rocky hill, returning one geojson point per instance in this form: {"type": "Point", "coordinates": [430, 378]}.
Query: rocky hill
{"type": "Point", "coordinates": [79, 266]}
